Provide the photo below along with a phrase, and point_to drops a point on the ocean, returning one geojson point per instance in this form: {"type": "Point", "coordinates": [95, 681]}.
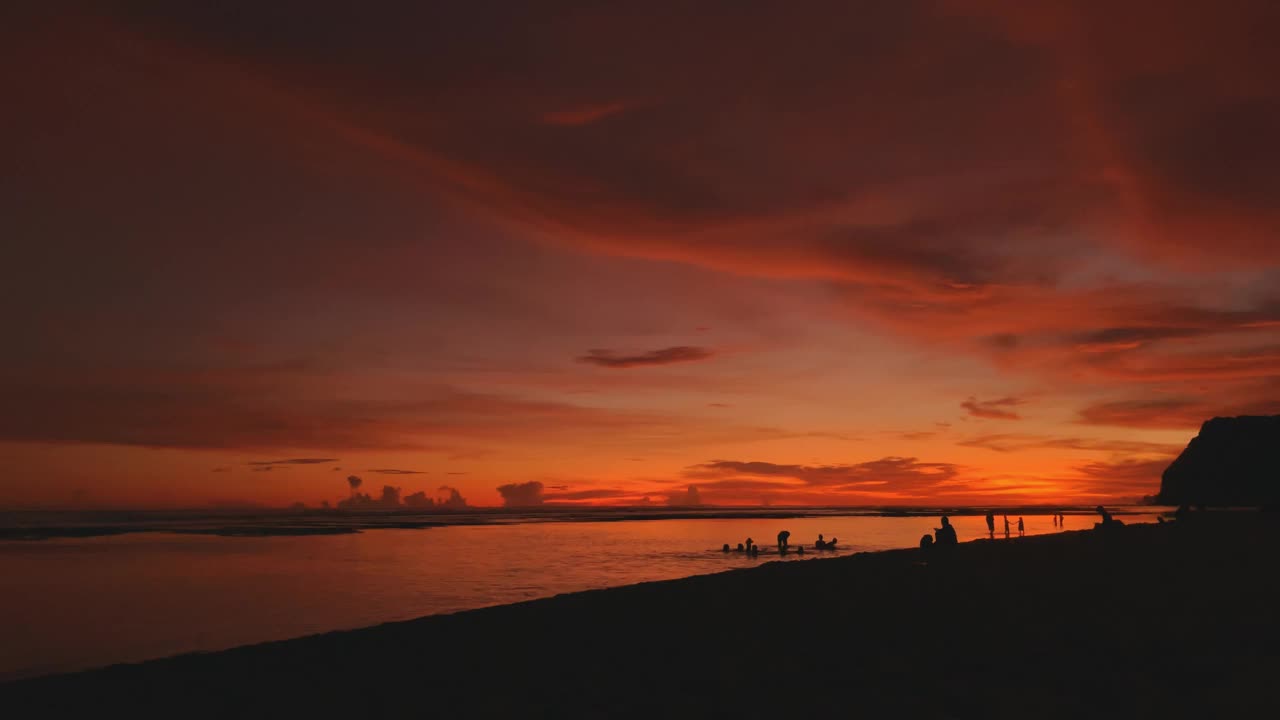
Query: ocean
{"type": "Point", "coordinates": [195, 582]}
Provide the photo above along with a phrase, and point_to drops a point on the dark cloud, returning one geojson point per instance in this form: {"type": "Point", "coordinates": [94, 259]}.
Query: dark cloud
{"type": "Point", "coordinates": [526, 494]}
{"type": "Point", "coordinates": [1176, 413]}
{"type": "Point", "coordinates": [452, 498]}
{"type": "Point", "coordinates": [665, 356]}
{"type": "Point", "coordinates": [221, 469]}
{"type": "Point", "coordinates": [1014, 442]}
{"type": "Point", "coordinates": [690, 497]}
{"type": "Point", "coordinates": [589, 495]}
{"type": "Point", "coordinates": [1127, 478]}
{"type": "Point", "coordinates": [895, 471]}
{"type": "Point", "coordinates": [390, 495]}
{"type": "Point", "coordinates": [388, 500]}
{"type": "Point", "coordinates": [294, 461]}
{"type": "Point", "coordinates": [993, 409]}
{"type": "Point", "coordinates": [354, 481]}
{"type": "Point", "coordinates": [396, 471]}
{"type": "Point", "coordinates": [419, 499]}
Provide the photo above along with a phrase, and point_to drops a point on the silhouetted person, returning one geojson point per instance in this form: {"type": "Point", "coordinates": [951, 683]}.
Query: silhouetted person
{"type": "Point", "coordinates": [783, 538]}
{"type": "Point", "coordinates": [820, 544]}
{"type": "Point", "coordinates": [725, 548]}
{"type": "Point", "coordinates": [1062, 520]}
{"type": "Point", "coordinates": [1021, 528]}
{"type": "Point", "coordinates": [1006, 526]}
{"type": "Point", "coordinates": [832, 545]}
{"type": "Point", "coordinates": [740, 548]}
{"type": "Point", "coordinates": [926, 542]}
{"type": "Point", "coordinates": [945, 535]}
{"type": "Point", "coordinates": [1055, 520]}
{"type": "Point", "coordinates": [991, 524]}
{"type": "Point", "coordinates": [799, 549]}
{"type": "Point", "coordinates": [1108, 523]}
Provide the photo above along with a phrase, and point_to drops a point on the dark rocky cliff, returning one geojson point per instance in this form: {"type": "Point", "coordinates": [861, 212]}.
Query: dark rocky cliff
{"type": "Point", "coordinates": [1233, 461]}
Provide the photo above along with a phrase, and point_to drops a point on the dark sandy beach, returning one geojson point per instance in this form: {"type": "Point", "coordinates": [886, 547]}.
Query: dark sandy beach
{"type": "Point", "coordinates": [1149, 621]}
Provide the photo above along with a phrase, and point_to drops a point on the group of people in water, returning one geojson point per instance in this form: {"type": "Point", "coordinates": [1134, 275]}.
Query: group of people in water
{"type": "Point", "coordinates": [991, 525]}
{"type": "Point", "coordinates": [784, 545]}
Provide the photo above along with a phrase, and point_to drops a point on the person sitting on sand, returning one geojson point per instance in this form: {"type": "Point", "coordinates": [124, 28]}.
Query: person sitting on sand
{"type": "Point", "coordinates": [783, 538]}
{"type": "Point", "coordinates": [945, 535]}
{"type": "Point", "coordinates": [1021, 528]}
{"type": "Point", "coordinates": [1108, 523]}
{"type": "Point", "coordinates": [926, 542]}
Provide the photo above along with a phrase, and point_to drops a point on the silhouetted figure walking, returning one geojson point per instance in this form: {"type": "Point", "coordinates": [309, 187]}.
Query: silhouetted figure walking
{"type": "Point", "coordinates": [1006, 526]}
{"type": "Point", "coordinates": [1021, 528]}
{"type": "Point", "coordinates": [991, 524]}
{"type": "Point", "coordinates": [784, 538]}
{"type": "Point", "coordinates": [945, 535]}
{"type": "Point", "coordinates": [1062, 520]}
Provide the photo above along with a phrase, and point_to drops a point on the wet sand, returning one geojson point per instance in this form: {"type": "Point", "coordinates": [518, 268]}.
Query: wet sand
{"type": "Point", "coordinates": [1149, 621]}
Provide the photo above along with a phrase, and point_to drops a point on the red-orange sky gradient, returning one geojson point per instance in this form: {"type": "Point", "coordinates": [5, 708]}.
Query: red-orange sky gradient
{"type": "Point", "coordinates": [847, 253]}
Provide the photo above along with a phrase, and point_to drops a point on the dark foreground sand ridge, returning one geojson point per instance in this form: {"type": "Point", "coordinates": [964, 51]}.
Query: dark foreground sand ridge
{"type": "Point", "coordinates": [1176, 620]}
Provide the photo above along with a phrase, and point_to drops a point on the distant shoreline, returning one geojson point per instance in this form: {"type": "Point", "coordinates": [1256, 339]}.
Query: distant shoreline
{"type": "Point", "coordinates": [332, 522]}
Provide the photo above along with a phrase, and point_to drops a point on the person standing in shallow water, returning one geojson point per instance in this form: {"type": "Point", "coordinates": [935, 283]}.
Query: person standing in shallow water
{"type": "Point", "coordinates": [991, 523]}
{"type": "Point", "coordinates": [1006, 526]}
{"type": "Point", "coordinates": [784, 538]}
{"type": "Point", "coordinates": [1021, 528]}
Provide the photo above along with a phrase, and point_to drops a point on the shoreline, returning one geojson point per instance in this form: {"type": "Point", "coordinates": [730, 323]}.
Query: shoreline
{"type": "Point", "coordinates": [332, 522]}
{"type": "Point", "coordinates": [1085, 621]}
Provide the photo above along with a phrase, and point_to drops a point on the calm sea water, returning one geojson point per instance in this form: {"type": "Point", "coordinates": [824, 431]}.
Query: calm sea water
{"type": "Point", "coordinates": [68, 604]}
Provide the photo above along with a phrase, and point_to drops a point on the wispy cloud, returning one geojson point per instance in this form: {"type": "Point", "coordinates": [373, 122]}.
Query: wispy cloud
{"type": "Point", "coordinates": [294, 461]}
{"type": "Point", "coordinates": [584, 115]}
{"type": "Point", "coordinates": [665, 356]}
{"type": "Point", "coordinates": [1001, 409]}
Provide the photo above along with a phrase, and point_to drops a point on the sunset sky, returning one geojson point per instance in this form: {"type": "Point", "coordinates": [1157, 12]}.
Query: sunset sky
{"type": "Point", "coordinates": [827, 252]}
